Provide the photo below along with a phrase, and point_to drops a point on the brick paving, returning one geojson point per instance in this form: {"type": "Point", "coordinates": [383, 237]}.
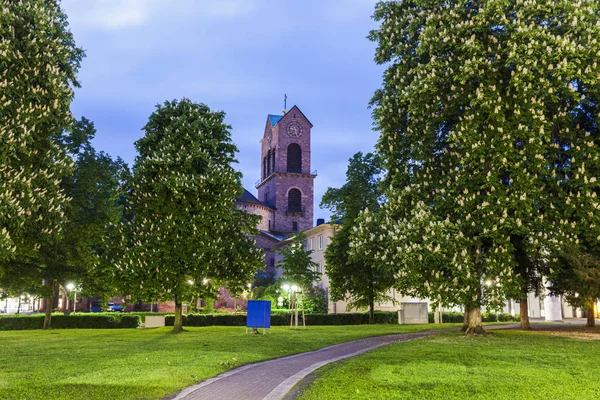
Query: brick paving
{"type": "Point", "coordinates": [271, 380]}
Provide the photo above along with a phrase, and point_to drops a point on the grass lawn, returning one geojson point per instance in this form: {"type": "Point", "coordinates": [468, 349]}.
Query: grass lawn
{"type": "Point", "coordinates": [500, 365]}
{"type": "Point", "coordinates": [149, 363]}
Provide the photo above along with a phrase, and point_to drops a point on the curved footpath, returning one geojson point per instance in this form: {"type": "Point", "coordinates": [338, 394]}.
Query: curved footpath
{"type": "Point", "coordinates": [271, 380]}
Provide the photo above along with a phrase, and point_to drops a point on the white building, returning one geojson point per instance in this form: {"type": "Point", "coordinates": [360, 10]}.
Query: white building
{"type": "Point", "coordinates": [318, 238]}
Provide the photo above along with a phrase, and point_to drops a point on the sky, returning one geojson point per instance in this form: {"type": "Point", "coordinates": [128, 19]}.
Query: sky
{"type": "Point", "coordinates": [238, 56]}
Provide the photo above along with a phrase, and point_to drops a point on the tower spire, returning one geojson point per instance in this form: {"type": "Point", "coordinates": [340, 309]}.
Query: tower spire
{"type": "Point", "coordinates": [285, 103]}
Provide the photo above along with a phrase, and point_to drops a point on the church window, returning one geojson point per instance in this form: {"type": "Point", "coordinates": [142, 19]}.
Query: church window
{"type": "Point", "coordinates": [273, 161]}
{"type": "Point", "coordinates": [294, 201]}
{"type": "Point", "coordinates": [294, 158]}
{"type": "Point", "coordinates": [295, 226]}
{"type": "Point", "coordinates": [264, 167]}
{"type": "Point", "coordinates": [269, 163]}
{"type": "Point", "coordinates": [269, 224]}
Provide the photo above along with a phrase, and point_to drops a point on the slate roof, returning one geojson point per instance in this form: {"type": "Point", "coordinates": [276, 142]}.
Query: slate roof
{"type": "Point", "coordinates": [275, 235]}
{"type": "Point", "coordinates": [248, 197]}
{"type": "Point", "coordinates": [274, 119]}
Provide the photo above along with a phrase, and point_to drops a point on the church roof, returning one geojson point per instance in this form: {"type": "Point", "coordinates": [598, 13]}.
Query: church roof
{"type": "Point", "coordinates": [274, 235]}
{"type": "Point", "coordinates": [249, 198]}
{"type": "Point", "coordinates": [274, 119]}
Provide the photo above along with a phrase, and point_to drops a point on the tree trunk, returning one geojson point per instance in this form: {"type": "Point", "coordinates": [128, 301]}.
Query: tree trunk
{"type": "Point", "coordinates": [524, 310]}
{"type": "Point", "coordinates": [591, 316]}
{"type": "Point", "coordinates": [65, 302]}
{"type": "Point", "coordinates": [475, 325]}
{"type": "Point", "coordinates": [465, 326]}
{"type": "Point", "coordinates": [19, 306]}
{"type": "Point", "coordinates": [178, 324]}
{"type": "Point", "coordinates": [48, 309]}
{"type": "Point", "coordinates": [371, 310]}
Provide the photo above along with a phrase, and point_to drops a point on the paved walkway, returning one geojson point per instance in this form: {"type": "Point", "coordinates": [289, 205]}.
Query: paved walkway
{"type": "Point", "coordinates": [271, 380]}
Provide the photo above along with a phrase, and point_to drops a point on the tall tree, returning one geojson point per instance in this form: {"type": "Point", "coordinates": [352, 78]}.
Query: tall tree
{"type": "Point", "coordinates": [186, 228]}
{"type": "Point", "coordinates": [94, 190]}
{"type": "Point", "coordinates": [355, 276]}
{"type": "Point", "coordinates": [576, 277]}
{"type": "Point", "coordinates": [40, 61]}
{"type": "Point", "coordinates": [473, 98]}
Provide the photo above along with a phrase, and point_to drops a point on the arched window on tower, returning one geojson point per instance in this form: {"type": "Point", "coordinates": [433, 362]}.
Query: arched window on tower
{"type": "Point", "coordinates": [269, 162]}
{"type": "Point", "coordinates": [294, 158]}
{"type": "Point", "coordinates": [273, 159]}
{"type": "Point", "coordinates": [294, 201]}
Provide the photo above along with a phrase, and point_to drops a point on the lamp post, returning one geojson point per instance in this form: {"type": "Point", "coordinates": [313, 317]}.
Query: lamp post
{"type": "Point", "coordinates": [73, 288]}
{"type": "Point", "coordinates": [286, 288]}
{"type": "Point", "coordinates": [295, 290]}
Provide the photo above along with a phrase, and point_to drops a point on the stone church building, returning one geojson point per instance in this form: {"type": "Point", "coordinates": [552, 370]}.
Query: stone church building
{"type": "Point", "coordinates": [285, 194]}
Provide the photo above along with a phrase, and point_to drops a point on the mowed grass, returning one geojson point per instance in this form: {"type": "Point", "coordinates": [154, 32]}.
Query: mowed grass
{"type": "Point", "coordinates": [149, 363]}
{"type": "Point", "coordinates": [500, 365]}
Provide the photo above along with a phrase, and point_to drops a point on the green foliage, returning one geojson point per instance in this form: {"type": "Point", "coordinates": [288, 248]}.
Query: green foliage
{"type": "Point", "coordinates": [270, 292]}
{"type": "Point", "coordinates": [263, 280]}
{"type": "Point", "coordinates": [314, 300]}
{"type": "Point", "coordinates": [577, 277]}
{"type": "Point", "coordinates": [458, 317]}
{"type": "Point", "coordinates": [298, 267]}
{"type": "Point", "coordinates": [186, 238]}
{"type": "Point", "coordinates": [96, 189]}
{"type": "Point", "coordinates": [480, 105]}
{"type": "Point", "coordinates": [282, 319]}
{"type": "Point", "coordinates": [355, 276]}
{"type": "Point", "coordinates": [79, 321]}
{"type": "Point", "coordinates": [40, 61]}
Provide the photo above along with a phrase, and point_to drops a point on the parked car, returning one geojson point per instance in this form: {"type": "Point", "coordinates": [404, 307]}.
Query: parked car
{"type": "Point", "coordinates": [96, 306]}
{"type": "Point", "coordinates": [115, 307]}
{"type": "Point", "coordinates": [112, 307]}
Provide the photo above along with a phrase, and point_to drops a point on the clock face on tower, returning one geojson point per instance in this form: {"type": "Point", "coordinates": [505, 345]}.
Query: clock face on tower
{"type": "Point", "coordinates": [294, 130]}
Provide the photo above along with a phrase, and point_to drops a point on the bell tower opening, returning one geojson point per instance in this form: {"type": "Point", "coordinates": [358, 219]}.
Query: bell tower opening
{"type": "Point", "coordinates": [294, 158]}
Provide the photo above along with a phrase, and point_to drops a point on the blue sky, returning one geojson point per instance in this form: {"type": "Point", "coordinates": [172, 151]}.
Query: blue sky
{"type": "Point", "coordinates": [239, 56]}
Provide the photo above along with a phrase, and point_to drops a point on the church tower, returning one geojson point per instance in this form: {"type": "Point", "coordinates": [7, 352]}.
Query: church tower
{"type": "Point", "coordinates": [286, 182]}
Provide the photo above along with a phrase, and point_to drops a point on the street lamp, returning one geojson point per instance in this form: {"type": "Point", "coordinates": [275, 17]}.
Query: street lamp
{"type": "Point", "coordinates": [286, 288]}
{"type": "Point", "coordinates": [71, 286]}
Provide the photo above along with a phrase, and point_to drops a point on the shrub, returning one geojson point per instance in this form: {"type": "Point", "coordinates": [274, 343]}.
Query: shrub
{"type": "Point", "coordinates": [73, 321]}
{"type": "Point", "coordinates": [315, 300]}
{"type": "Point", "coordinates": [458, 317]}
{"type": "Point", "coordinates": [283, 318]}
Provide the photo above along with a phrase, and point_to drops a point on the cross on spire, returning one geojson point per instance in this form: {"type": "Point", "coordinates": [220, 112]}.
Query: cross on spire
{"type": "Point", "coordinates": [285, 101]}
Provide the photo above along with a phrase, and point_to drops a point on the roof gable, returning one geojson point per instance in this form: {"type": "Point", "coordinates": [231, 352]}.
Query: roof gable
{"type": "Point", "coordinates": [297, 110]}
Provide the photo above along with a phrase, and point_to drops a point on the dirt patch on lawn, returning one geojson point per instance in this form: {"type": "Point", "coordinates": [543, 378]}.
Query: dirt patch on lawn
{"type": "Point", "coordinates": [574, 332]}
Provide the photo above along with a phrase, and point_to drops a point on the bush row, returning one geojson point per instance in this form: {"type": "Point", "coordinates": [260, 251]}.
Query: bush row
{"type": "Point", "coordinates": [60, 321]}
{"type": "Point", "coordinates": [449, 317]}
{"type": "Point", "coordinates": [281, 319]}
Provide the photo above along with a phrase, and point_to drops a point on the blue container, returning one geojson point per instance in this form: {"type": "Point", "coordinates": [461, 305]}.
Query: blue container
{"type": "Point", "coordinates": [259, 314]}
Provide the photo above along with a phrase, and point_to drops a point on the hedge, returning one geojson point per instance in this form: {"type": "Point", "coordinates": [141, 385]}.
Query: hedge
{"type": "Point", "coordinates": [59, 321]}
{"type": "Point", "coordinates": [382, 317]}
{"type": "Point", "coordinates": [449, 317]}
